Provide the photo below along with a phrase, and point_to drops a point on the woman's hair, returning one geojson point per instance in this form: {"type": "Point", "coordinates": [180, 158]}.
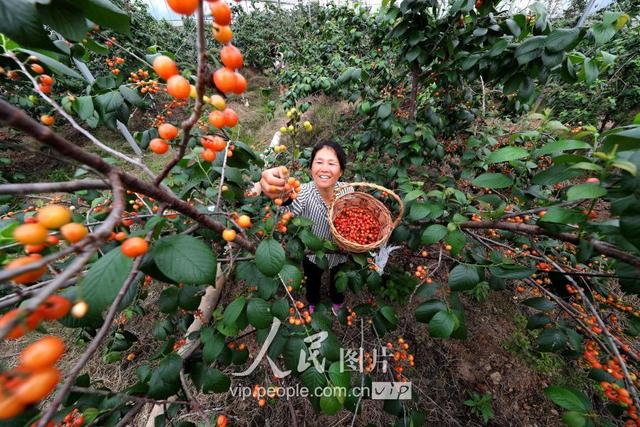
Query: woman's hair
{"type": "Point", "coordinates": [342, 157]}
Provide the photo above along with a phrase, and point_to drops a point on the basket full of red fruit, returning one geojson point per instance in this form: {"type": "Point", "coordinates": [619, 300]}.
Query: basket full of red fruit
{"type": "Point", "coordinates": [359, 222]}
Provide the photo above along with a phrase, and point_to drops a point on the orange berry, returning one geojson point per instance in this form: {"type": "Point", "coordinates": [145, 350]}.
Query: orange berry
{"type": "Point", "coordinates": [183, 7]}
{"type": "Point", "coordinates": [34, 249]}
{"type": "Point", "coordinates": [208, 155]}
{"type": "Point", "coordinates": [241, 84]}
{"type": "Point", "coordinates": [47, 80]}
{"type": "Point", "coordinates": [221, 12]}
{"type": "Point", "coordinates": [223, 33]}
{"type": "Point", "coordinates": [158, 146]}
{"type": "Point", "coordinates": [167, 131]}
{"type": "Point", "coordinates": [134, 247]}
{"type": "Point", "coordinates": [30, 234]}
{"type": "Point", "coordinates": [46, 89]}
{"type": "Point", "coordinates": [37, 68]}
{"type": "Point", "coordinates": [54, 216]}
{"type": "Point", "coordinates": [30, 323]}
{"type": "Point", "coordinates": [225, 79]}
{"type": "Point", "coordinates": [230, 118]}
{"type": "Point", "coordinates": [47, 120]}
{"type": "Point", "coordinates": [231, 57]}
{"type": "Point", "coordinates": [178, 87]}
{"type": "Point", "coordinates": [10, 406]}
{"type": "Point", "coordinates": [217, 101]}
{"type": "Point", "coordinates": [221, 421]}
{"type": "Point", "coordinates": [41, 354]}
{"type": "Point", "coordinates": [216, 118]}
{"type": "Point", "coordinates": [37, 386]}
{"type": "Point", "coordinates": [73, 232]}
{"type": "Point", "coordinates": [229, 234]}
{"type": "Point", "coordinates": [29, 276]}
{"type": "Point", "coordinates": [165, 67]}
{"type": "Point", "coordinates": [244, 221]}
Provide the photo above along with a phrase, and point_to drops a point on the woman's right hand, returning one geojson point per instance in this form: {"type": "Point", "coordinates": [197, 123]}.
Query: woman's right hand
{"type": "Point", "coordinates": [273, 181]}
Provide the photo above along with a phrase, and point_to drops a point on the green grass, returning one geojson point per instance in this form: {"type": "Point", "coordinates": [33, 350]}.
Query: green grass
{"type": "Point", "coordinates": [559, 371]}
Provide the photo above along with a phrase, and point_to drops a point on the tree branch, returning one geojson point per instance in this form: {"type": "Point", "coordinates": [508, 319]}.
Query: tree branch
{"type": "Point", "coordinates": [599, 246]}
{"type": "Point", "coordinates": [20, 120]}
{"type": "Point", "coordinates": [54, 187]}
{"type": "Point", "coordinates": [101, 233]}
{"type": "Point", "coordinates": [188, 124]}
{"type": "Point", "coordinates": [75, 124]}
{"type": "Point", "coordinates": [91, 349]}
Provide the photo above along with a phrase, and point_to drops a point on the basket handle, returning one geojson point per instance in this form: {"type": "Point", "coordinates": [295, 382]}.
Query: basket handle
{"type": "Point", "coordinates": [375, 187]}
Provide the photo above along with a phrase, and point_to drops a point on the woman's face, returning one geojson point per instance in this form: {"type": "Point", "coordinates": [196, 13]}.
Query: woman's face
{"type": "Point", "coordinates": [325, 169]}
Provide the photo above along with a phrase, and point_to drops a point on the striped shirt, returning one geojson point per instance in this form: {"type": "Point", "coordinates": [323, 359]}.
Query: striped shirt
{"type": "Point", "coordinates": [310, 204]}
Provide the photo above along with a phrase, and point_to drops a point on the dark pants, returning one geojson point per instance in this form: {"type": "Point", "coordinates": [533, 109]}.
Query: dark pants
{"type": "Point", "coordinates": [314, 283]}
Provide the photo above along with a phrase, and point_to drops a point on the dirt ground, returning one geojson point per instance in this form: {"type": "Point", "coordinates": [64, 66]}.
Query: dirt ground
{"type": "Point", "coordinates": [446, 372]}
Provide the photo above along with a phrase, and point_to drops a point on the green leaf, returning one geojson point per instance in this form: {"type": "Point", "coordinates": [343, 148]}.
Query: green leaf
{"type": "Point", "coordinates": [539, 303]}
{"type": "Point", "coordinates": [425, 311]}
{"type": "Point", "coordinates": [213, 344]}
{"type": "Point", "coordinates": [339, 375]}
{"type": "Point", "coordinates": [585, 191]}
{"type": "Point", "coordinates": [562, 39]}
{"type": "Point", "coordinates": [602, 33]}
{"type": "Point", "coordinates": [185, 259]}
{"type": "Point", "coordinates": [586, 166]}
{"type": "Point", "coordinates": [511, 271]}
{"type": "Point", "coordinates": [105, 278]}
{"type": "Point", "coordinates": [65, 18]}
{"type": "Point", "coordinates": [575, 419]}
{"type": "Point", "coordinates": [313, 379]}
{"type": "Point", "coordinates": [233, 311]}
{"type": "Point", "coordinates": [189, 297]}
{"type": "Point", "coordinates": [419, 211]}
{"type": "Point", "coordinates": [433, 234]}
{"type": "Point", "coordinates": [130, 95]}
{"type": "Point", "coordinates": [329, 402]}
{"type": "Point", "coordinates": [498, 47]}
{"type": "Point", "coordinates": [563, 216]}
{"type": "Point", "coordinates": [590, 71]}
{"type": "Point", "coordinates": [551, 340]}
{"type": "Point", "coordinates": [84, 107]}
{"type": "Point", "coordinates": [259, 313]}
{"type": "Point", "coordinates": [310, 240]}
{"type": "Point", "coordinates": [492, 180]}
{"type": "Point", "coordinates": [442, 324]}
{"type": "Point", "coordinates": [168, 302]}
{"type": "Point", "coordinates": [270, 257]}
{"type": "Point", "coordinates": [291, 275]}
{"type": "Point", "coordinates": [626, 139]}
{"type": "Point", "coordinates": [412, 195]}
{"type": "Point", "coordinates": [384, 111]}
{"type": "Point", "coordinates": [568, 398]}
{"type": "Point", "coordinates": [625, 166]}
{"type": "Point", "coordinates": [562, 145]}
{"type": "Point", "coordinates": [506, 154]}
{"type": "Point", "coordinates": [529, 49]}
{"type": "Point", "coordinates": [210, 379]}
{"type": "Point", "coordinates": [389, 315]}
{"type": "Point", "coordinates": [19, 21]}
{"type": "Point", "coordinates": [463, 277]}
{"type": "Point", "coordinates": [53, 64]}
{"type": "Point", "coordinates": [106, 14]}
{"type": "Point", "coordinates": [538, 321]}
{"type": "Point", "coordinates": [165, 379]}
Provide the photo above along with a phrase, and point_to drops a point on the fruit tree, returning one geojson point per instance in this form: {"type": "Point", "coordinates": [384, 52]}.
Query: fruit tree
{"type": "Point", "coordinates": [442, 104]}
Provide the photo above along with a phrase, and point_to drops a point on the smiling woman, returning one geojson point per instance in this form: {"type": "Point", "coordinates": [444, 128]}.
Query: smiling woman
{"type": "Point", "coordinates": [328, 163]}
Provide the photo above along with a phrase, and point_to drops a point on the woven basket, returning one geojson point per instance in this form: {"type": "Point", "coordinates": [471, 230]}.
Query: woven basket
{"type": "Point", "coordinates": [369, 203]}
